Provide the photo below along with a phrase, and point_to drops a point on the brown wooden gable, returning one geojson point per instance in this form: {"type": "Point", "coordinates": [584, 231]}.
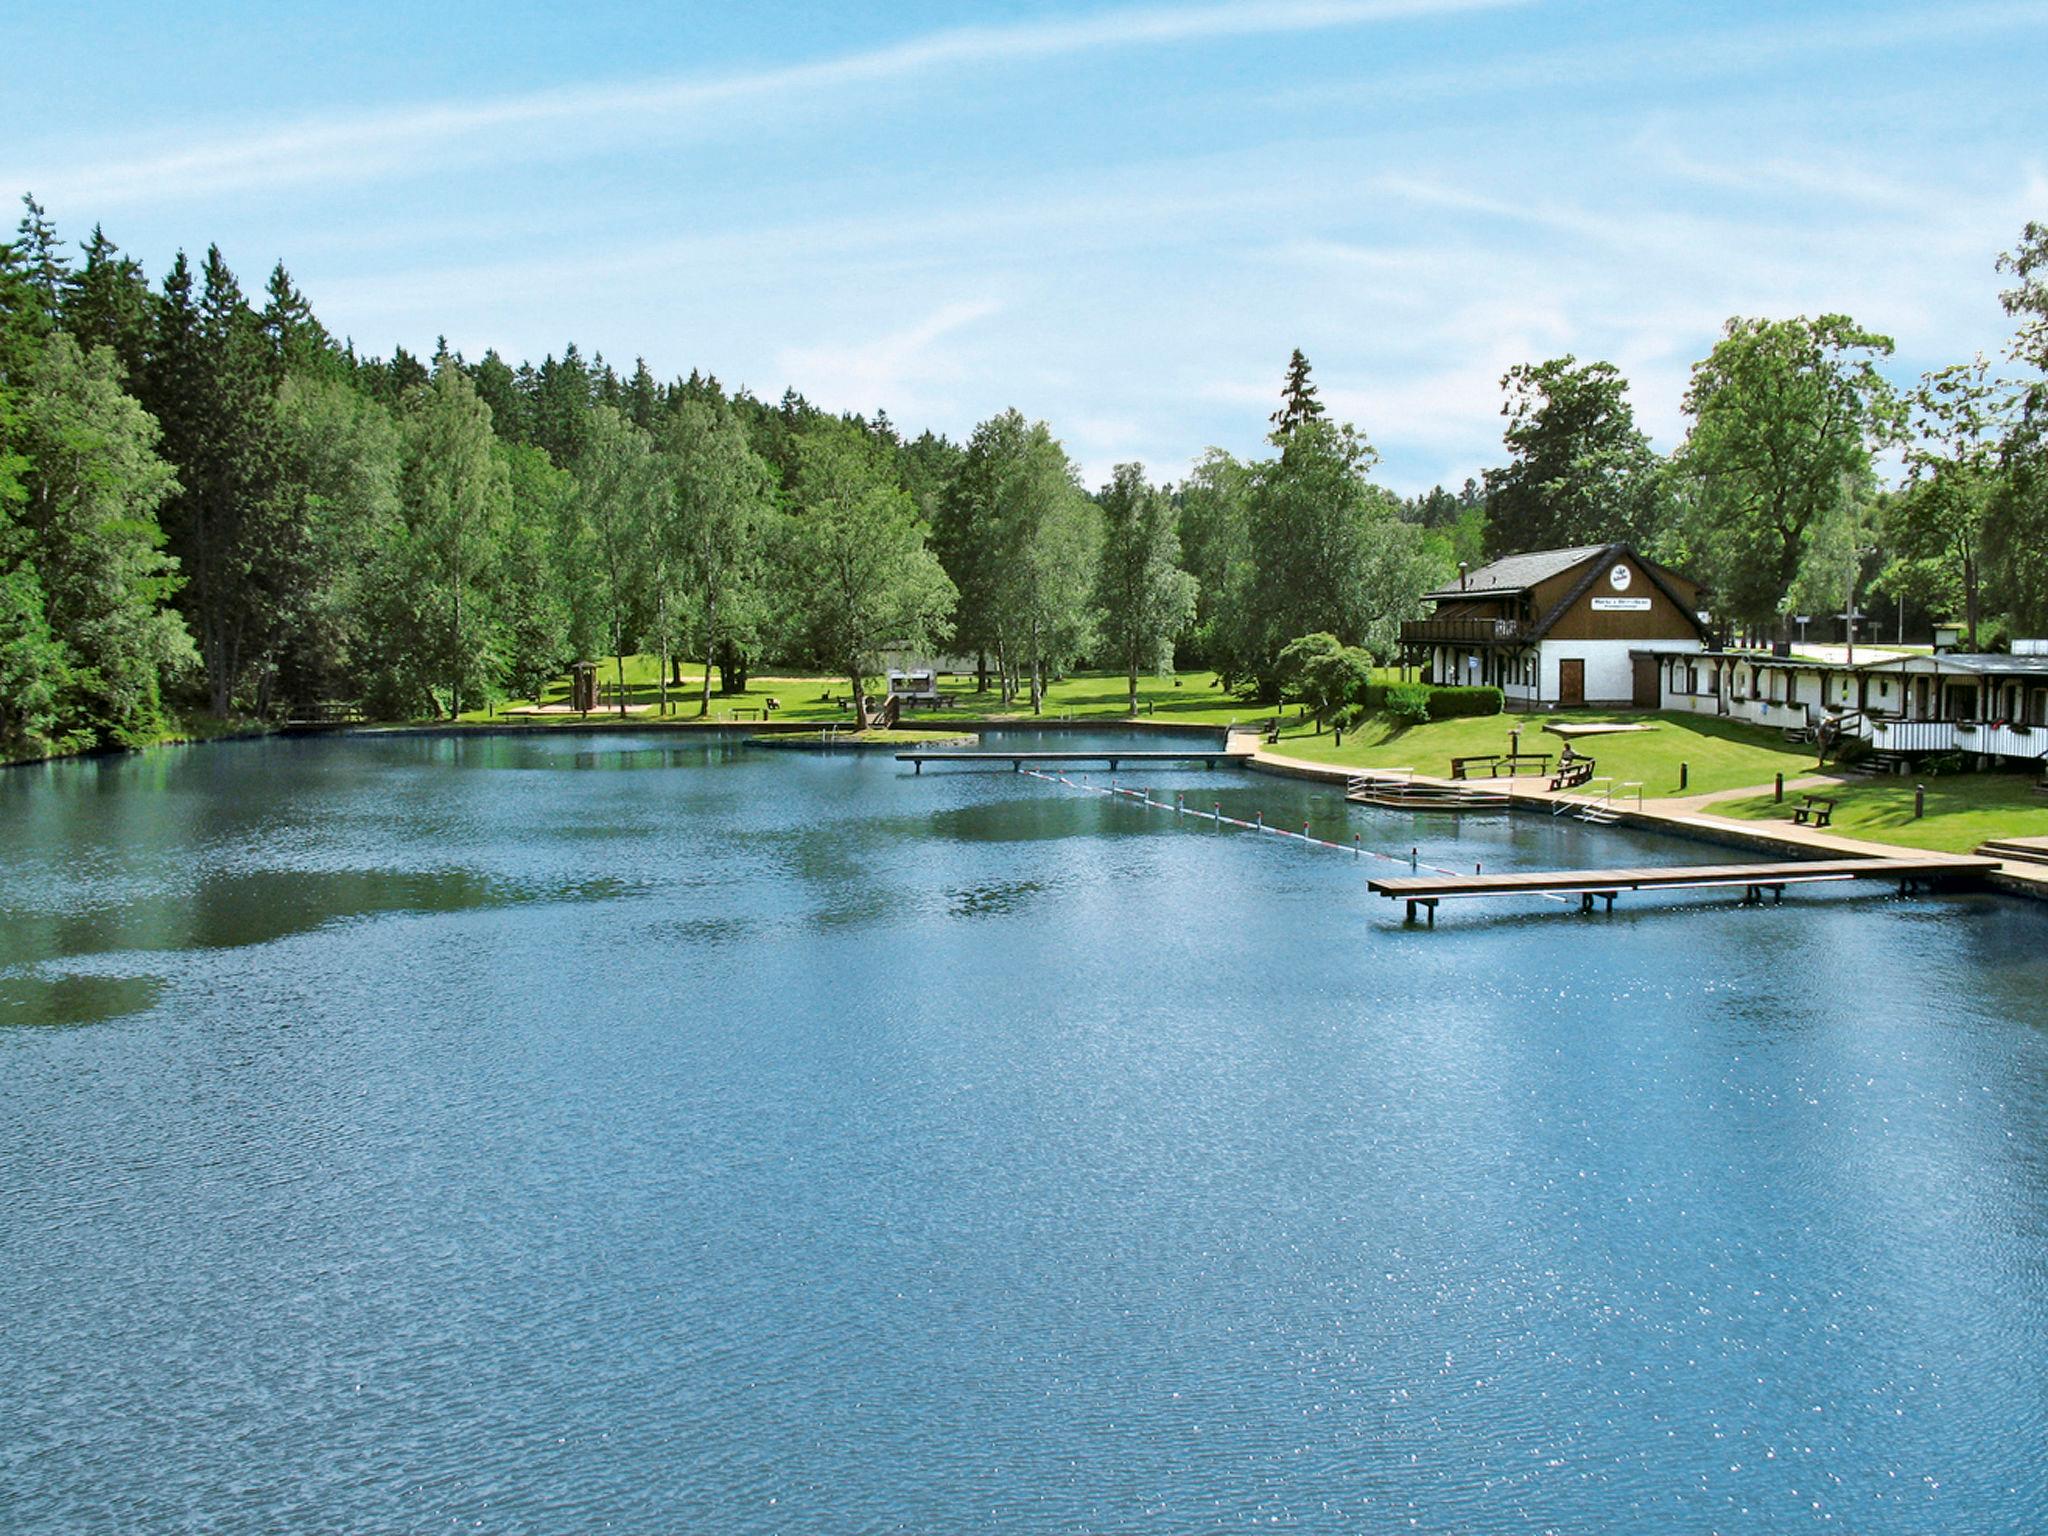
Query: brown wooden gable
{"type": "Point", "coordinates": [1566, 602]}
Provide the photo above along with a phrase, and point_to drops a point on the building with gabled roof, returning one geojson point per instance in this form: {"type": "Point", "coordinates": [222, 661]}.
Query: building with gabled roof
{"type": "Point", "coordinates": [1560, 628]}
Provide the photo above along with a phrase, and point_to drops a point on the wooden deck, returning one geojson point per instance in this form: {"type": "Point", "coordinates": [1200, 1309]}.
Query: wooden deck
{"type": "Point", "coordinates": [1425, 891]}
{"type": "Point", "coordinates": [1208, 757]}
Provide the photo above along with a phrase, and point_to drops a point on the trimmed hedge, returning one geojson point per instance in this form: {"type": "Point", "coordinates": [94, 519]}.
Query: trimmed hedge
{"type": "Point", "coordinates": [1456, 703]}
{"type": "Point", "coordinates": [1425, 701]}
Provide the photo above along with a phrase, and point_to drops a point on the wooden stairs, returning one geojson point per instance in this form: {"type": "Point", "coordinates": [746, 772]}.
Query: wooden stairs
{"type": "Point", "coordinates": [2016, 850]}
{"type": "Point", "coordinates": [1396, 790]}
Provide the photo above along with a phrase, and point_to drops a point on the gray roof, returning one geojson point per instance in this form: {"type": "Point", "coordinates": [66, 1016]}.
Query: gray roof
{"type": "Point", "coordinates": [1518, 573]}
{"type": "Point", "coordinates": [1977, 662]}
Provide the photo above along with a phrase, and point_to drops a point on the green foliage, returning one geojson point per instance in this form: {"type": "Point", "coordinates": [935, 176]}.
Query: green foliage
{"type": "Point", "coordinates": [1408, 702]}
{"type": "Point", "coordinates": [1146, 600]}
{"type": "Point", "coordinates": [1215, 537]}
{"type": "Point", "coordinates": [1785, 417]}
{"type": "Point", "coordinates": [1325, 674]}
{"type": "Point", "coordinates": [1327, 552]}
{"type": "Point", "coordinates": [855, 575]}
{"type": "Point", "coordinates": [94, 484]}
{"type": "Point", "coordinates": [718, 504]}
{"type": "Point", "coordinates": [1579, 471]}
{"type": "Point", "coordinates": [1458, 702]}
{"type": "Point", "coordinates": [1298, 402]}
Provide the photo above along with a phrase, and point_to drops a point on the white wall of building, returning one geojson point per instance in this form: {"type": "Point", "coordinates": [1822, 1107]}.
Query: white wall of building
{"type": "Point", "coordinates": [1610, 674]}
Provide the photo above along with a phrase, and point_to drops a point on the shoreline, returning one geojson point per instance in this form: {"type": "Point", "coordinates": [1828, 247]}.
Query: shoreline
{"type": "Point", "coordinates": [2011, 878]}
{"type": "Point", "coordinates": [1693, 825]}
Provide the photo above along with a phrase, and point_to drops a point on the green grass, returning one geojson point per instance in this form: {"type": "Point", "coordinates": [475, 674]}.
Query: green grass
{"type": "Point", "coordinates": [1719, 754]}
{"type": "Point", "coordinates": [1963, 810]}
{"type": "Point", "coordinates": [1192, 698]}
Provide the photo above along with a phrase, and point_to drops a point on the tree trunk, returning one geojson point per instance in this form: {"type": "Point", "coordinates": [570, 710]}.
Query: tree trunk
{"type": "Point", "coordinates": [860, 698]}
{"type": "Point", "coordinates": [619, 655]}
{"type": "Point", "coordinates": [1134, 687]}
{"type": "Point", "coordinates": [1970, 600]}
{"type": "Point", "coordinates": [1037, 673]}
{"type": "Point", "coordinates": [710, 651]}
{"type": "Point", "coordinates": [981, 670]}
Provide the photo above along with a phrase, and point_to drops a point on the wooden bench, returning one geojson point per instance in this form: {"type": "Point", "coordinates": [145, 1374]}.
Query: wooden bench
{"type": "Point", "coordinates": [1461, 766]}
{"type": "Point", "coordinates": [1517, 760]}
{"type": "Point", "coordinates": [1814, 811]}
{"type": "Point", "coordinates": [746, 712]}
{"type": "Point", "coordinates": [1572, 771]}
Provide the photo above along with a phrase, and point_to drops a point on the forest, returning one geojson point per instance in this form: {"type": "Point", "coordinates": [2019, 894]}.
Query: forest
{"type": "Point", "coordinates": [209, 504]}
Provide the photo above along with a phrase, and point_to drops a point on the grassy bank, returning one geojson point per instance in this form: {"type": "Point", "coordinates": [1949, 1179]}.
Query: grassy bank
{"type": "Point", "coordinates": [1963, 810]}
{"type": "Point", "coordinates": [1191, 698]}
{"type": "Point", "coordinates": [1717, 753]}
{"type": "Point", "coordinates": [183, 729]}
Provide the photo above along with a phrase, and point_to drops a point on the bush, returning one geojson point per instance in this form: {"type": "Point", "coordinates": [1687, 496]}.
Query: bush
{"type": "Point", "coordinates": [1458, 703]}
{"type": "Point", "coordinates": [1408, 702]}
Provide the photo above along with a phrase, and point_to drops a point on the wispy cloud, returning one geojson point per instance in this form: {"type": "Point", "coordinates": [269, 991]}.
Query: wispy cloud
{"type": "Point", "coordinates": [897, 370]}
{"type": "Point", "coordinates": [371, 146]}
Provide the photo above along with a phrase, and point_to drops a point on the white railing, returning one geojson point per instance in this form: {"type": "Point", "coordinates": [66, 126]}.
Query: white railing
{"type": "Point", "coordinates": [1953, 736]}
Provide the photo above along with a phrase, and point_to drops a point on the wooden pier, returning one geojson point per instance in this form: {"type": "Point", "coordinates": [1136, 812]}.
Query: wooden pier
{"type": "Point", "coordinates": [1208, 758]}
{"type": "Point", "coordinates": [1425, 891]}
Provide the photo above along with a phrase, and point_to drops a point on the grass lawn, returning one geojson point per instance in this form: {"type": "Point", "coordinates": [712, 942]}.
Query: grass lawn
{"type": "Point", "coordinates": [1963, 810]}
{"type": "Point", "coordinates": [1719, 754]}
{"type": "Point", "coordinates": [1192, 698]}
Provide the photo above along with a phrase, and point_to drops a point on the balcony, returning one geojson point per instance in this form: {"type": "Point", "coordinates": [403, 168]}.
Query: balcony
{"type": "Point", "coordinates": [1986, 737]}
{"type": "Point", "coordinates": [1419, 632]}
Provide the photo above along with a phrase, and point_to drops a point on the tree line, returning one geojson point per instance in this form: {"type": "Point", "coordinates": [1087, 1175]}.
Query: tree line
{"type": "Point", "coordinates": [208, 500]}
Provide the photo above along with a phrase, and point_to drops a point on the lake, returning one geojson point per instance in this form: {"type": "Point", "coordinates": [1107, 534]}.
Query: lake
{"type": "Point", "coordinates": [583, 1132]}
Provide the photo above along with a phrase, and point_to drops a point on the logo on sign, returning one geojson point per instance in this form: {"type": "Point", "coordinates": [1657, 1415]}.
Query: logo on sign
{"type": "Point", "coordinates": [1620, 577]}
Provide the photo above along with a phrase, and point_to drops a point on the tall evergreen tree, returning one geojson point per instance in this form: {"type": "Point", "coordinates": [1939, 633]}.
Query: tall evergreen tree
{"type": "Point", "coordinates": [108, 304]}
{"type": "Point", "coordinates": [1298, 402]}
{"type": "Point", "coordinates": [299, 343]}
{"type": "Point", "coordinates": [209, 384]}
{"type": "Point", "coordinates": [44, 264]}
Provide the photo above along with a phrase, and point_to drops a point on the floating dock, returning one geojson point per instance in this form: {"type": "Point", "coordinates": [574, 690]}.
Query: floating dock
{"type": "Point", "coordinates": [1425, 891]}
{"type": "Point", "coordinates": [1208, 758]}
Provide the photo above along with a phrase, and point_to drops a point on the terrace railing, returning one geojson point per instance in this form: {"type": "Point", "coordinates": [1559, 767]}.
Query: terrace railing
{"type": "Point", "coordinates": [1464, 632]}
{"type": "Point", "coordinates": [1959, 736]}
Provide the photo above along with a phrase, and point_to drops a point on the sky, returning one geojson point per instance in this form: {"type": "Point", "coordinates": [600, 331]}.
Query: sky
{"type": "Point", "coordinates": [1117, 218]}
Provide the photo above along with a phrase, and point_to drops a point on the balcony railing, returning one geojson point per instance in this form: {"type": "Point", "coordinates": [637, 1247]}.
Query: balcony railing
{"type": "Point", "coordinates": [1960, 736]}
{"type": "Point", "coordinates": [1464, 632]}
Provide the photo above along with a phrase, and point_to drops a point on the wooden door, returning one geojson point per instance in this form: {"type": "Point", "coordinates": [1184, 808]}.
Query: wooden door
{"type": "Point", "coordinates": [1571, 681]}
{"type": "Point", "coordinates": [1645, 681]}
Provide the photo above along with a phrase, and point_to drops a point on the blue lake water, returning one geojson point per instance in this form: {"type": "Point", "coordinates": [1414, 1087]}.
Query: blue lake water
{"type": "Point", "coordinates": [599, 1132]}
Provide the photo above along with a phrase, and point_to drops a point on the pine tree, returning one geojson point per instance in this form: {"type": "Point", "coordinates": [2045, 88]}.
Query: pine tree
{"type": "Point", "coordinates": [299, 343]}
{"type": "Point", "coordinates": [1298, 402]}
{"type": "Point", "coordinates": [44, 263]}
{"type": "Point", "coordinates": [498, 387]}
{"type": "Point", "coordinates": [209, 385]}
{"type": "Point", "coordinates": [107, 304]}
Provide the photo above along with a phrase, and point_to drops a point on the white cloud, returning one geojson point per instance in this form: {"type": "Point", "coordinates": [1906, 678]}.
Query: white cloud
{"type": "Point", "coordinates": [378, 145]}
{"type": "Point", "coordinates": [904, 370]}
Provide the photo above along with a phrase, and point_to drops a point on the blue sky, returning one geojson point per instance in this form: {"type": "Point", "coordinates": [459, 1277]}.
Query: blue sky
{"type": "Point", "coordinates": [1118, 218]}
